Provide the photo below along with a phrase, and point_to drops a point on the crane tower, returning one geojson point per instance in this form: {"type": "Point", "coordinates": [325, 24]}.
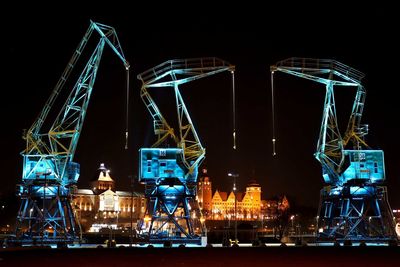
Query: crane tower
{"type": "Point", "coordinates": [49, 173]}
{"type": "Point", "coordinates": [353, 202]}
{"type": "Point", "coordinates": [170, 173]}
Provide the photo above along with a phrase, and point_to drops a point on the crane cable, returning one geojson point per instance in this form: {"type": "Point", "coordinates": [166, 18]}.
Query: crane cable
{"type": "Point", "coordinates": [233, 110]}
{"type": "Point", "coordinates": [273, 114]}
{"type": "Point", "coordinates": [127, 109]}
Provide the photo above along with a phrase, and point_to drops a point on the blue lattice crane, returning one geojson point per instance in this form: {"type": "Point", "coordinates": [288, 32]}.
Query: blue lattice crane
{"type": "Point", "coordinates": [170, 174]}
{"type": "Point", "coordinates": [353, 204]}
{"type": "Point", "coordinates": [49, 172]}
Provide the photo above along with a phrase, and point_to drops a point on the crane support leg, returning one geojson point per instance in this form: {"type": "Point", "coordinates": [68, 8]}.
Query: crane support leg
{"type": "Point", "coordinates": [48, 221]}
{"type": "Point", "coordinates": [355, 213]}
{"type": "Point", "coordinates": [174, 215]}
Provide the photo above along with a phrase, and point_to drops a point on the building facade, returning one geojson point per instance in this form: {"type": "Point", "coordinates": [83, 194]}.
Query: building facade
{"type": "Point", "coordinates": [102, 206]}
{"type": "Point", "coordinates": [204, 193]}
{"type": "Point", "coordinates": [249, 205]}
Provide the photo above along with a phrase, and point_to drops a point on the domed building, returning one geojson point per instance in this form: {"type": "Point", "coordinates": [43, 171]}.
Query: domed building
{"type": "Point", "coordinates": [102, 206]}
{"type": "Point", "coordinates": [102, 180]}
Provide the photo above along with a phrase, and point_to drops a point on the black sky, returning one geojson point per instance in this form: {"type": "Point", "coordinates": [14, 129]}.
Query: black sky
{"type": "Point", "coordinates": [38, 45]}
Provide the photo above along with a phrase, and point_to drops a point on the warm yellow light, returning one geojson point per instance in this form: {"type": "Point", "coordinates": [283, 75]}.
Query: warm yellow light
{"type": "Point", "coordinates": [398, 229]}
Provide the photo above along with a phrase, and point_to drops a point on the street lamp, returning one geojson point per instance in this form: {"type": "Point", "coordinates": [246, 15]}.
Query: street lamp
{"type": "Point", "coordinates": [316, 230]}
{"type": "Point", "coordinates": [292, 219]}
{"type": "Point", "coordinates": [235, 175]}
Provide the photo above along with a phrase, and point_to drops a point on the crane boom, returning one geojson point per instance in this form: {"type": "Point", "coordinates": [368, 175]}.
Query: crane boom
{"type": "Point", "coordinates": [56, 148]}
{"type": "Point", "coordinates": [179, 71]}
{"type": "Point", "coordinates": [331, 144]}
{"type": "Point", "coordinates": [113, 43]}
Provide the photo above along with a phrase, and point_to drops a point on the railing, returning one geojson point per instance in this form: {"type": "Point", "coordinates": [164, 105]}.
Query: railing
{"type": "Point", "coordinates": [200, 64]}
{"type": "Point", "coordinates": [309, 64]}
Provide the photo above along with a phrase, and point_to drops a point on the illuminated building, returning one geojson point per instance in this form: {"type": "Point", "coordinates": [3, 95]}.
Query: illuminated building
{"type": "Point", "coordinates": [250, 206]}
{"type": "Point", "coordinates": [204, 194]}
{"type": "Point", "coordinates": [271, 208]}
{"type": "Point", "coordinates": [102, 206]}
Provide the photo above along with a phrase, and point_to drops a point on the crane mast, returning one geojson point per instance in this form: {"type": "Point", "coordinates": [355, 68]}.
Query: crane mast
{"type": "Point", "coordinates": [353, 204]}
{"type": "Point", "coordinates": [170, 174]}
{"type": "Point", "coordinates": [49, 172]}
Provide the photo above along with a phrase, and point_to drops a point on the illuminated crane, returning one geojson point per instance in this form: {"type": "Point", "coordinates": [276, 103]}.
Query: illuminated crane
{"type": "Point", "coordinates": [170, 174]}
{"type": "Point", "coordinates": [353, 203]}
{"type": "Point", "coordinates": [49, 173]}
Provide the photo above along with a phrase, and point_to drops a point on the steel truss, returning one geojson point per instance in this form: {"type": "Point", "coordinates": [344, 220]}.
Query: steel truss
{"type": "Point", "coordinates": [170, 174]}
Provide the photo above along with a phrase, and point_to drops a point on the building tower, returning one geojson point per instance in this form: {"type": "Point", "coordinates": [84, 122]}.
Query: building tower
{"type": "Point", "coordinates": [102, 180]}
{"type": "Point", "coordinates": [253, 191]}
{"type": "Point", "coordinates": [204, 193]}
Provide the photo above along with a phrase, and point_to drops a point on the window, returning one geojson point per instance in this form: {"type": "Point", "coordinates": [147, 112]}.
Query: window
{"type": "Point", "coordinates": [149, 166]}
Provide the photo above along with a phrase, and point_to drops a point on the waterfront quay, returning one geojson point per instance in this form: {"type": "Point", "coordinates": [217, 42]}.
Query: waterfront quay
{"type": "Point", "coordinates": [209, 256]}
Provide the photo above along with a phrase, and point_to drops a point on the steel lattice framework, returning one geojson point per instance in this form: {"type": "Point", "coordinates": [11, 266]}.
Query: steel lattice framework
{"type": "Point", "coordinates": [49, 172]}
{"type": "Point", "coordinates": [330, 144]}
{"type": "Point", "coordinates": [354, 203]}
{"type": "Point", "coordinates": [170, 174]}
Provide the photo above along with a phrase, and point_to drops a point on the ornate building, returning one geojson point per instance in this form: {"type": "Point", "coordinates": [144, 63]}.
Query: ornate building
{"type": "Point", "coordinates": [204, 193]}
{"type": "Point", "coordinates": [102, 206]}
{"type": "Point", "coordinates": [249, 205]}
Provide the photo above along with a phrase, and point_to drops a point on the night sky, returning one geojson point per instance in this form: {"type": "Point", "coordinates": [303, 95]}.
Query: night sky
{"type": "Point", "coordinates": [40, 43]}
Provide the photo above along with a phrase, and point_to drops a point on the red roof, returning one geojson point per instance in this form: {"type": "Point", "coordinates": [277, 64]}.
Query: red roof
{"type": "Point", "coordinates": [223, 195]}
{"type": "Point", "coordinates": [239, 196]}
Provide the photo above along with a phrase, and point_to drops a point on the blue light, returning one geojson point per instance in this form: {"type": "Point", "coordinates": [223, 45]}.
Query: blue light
{"type": "Point", "coordinates": [158, 164]}
{"type": "Point", "coordinates": [45, 169]}
{"type": "Point", "coordinates": [366, 165]}
{"type": "Point", "coordinates": [48, 171]}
